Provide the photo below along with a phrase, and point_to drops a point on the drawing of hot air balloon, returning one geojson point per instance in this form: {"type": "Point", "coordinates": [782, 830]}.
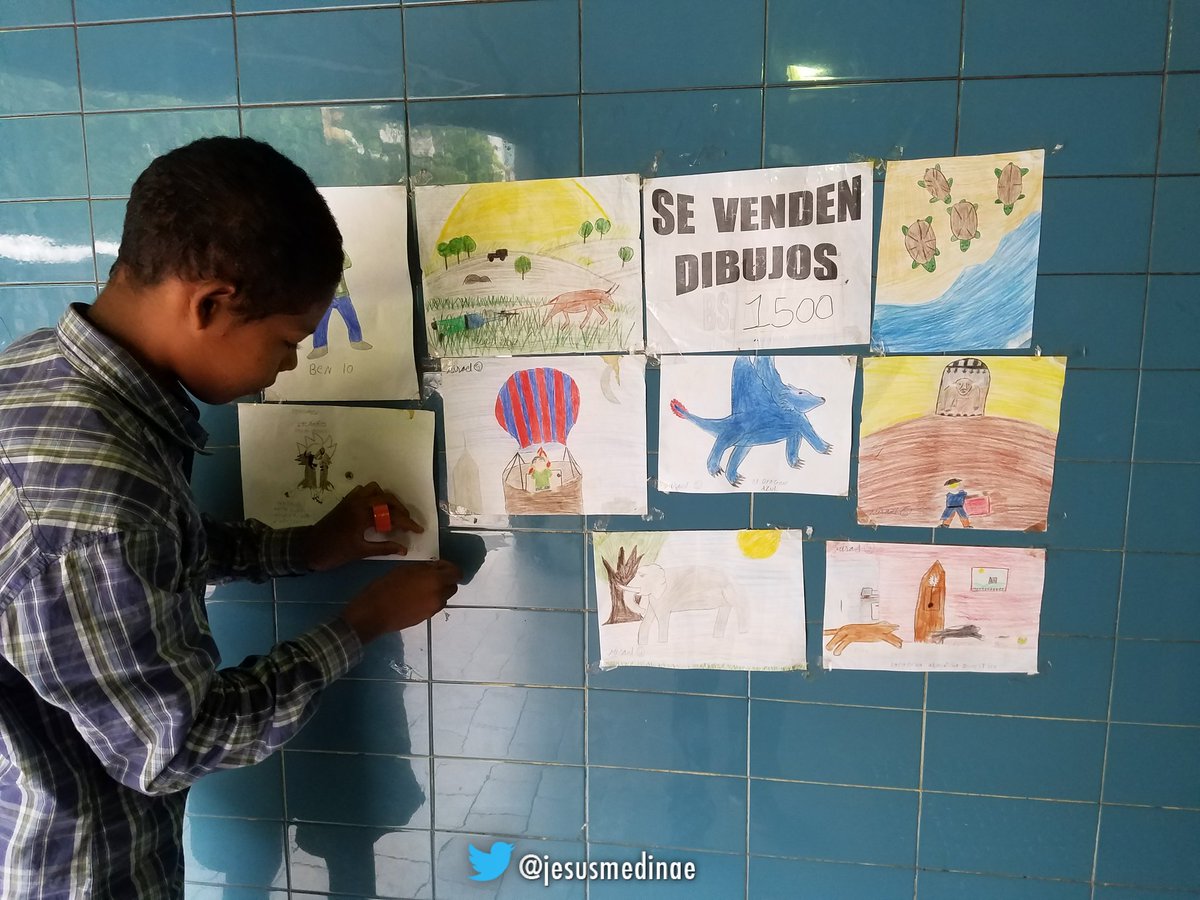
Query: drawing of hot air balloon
{"type": "Point", "coordinates": [538, 408]}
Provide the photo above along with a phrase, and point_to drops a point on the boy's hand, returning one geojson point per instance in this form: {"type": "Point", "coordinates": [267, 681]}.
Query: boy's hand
{"type": "Point", "coordinates": [338, 538]}
{"type": "Point", "coordinates": [407, 595]}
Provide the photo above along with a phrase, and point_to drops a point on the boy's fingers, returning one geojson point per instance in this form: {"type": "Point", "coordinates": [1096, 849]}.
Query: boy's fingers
{"type": "Point", "coordinates": [384, 548]}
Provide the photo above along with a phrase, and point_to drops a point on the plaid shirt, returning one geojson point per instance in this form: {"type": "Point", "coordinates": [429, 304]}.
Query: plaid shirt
{"type": "Point", "coordinates": [111, 702]}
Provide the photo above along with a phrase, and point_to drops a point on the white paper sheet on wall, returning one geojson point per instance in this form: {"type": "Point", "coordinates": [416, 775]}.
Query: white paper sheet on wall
{"type": "Point", "coordinates": [761, 259]}
{"type": "Point", "coordinates": [775, 424]}
{"type": "Point", "coordinates": [700, 599]}
{"type": "Point", "coordinates": [299, 461]}
{"type": "Point", "coordinates": [363, 348]}
{"type": "Point", "coordinates": [550, 435]}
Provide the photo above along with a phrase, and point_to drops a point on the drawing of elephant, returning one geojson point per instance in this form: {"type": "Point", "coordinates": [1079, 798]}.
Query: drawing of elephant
{"type": "Point", "coordinates": [664, 592]}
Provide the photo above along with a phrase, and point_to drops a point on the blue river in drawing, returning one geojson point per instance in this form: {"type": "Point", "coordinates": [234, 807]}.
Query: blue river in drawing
{"type": "Point", "coordinates": [988, 307]}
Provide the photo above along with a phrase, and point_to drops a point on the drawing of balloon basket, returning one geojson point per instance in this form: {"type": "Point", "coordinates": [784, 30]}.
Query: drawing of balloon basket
{"type": "Point", "coordinates": [538, 408]}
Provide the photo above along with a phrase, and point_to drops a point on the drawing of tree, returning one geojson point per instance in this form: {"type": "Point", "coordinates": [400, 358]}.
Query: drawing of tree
{"type": "Point", "coordinates": [522, 265]}
{"type": "Point", "coordinates": [469, 245]}
{"type": "Point", "coordinates": [456, 247]}
{"type": "Point", "coordinates": [626, 254]}
{"type": "Point", "coordinates": [585, 230]}
{"type": "Point", "coordinates": [618, 577]}
{"type": "Point", "coordinates": [443, 250]}
{"type": "Point", "coordinates": [602, 226]}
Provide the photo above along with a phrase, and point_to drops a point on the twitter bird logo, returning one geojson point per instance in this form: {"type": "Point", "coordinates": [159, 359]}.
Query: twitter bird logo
{"type": "Point", "coordinates": [491, 865]}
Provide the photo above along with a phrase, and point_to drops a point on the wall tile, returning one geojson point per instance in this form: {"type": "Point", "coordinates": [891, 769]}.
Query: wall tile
{"type": "Point", "coordinates": [1071, 118]}
{"type": "Point", "coordinates": [1151, 526]}
{"type": "Point", "coordinates": [667, 731]}
{"type": "Point", "coordinates": [896, 689]}
{"type": "Point", "coordinates": [234, 851]}
{"type": "Point", "coordinates": [406, 651]}
{"type": "Point", "coordinates": [672, 133]}
{"type": "Point", "coordinates": [47, 12]}
{"type": "Point", "coordinates": [1185, 35]}
{"type": "Point", "coordinates": [1174, 217]}
{"type": "Point", "coordinates": [1108, 892]}
{"type": "Point", "coordinates": [717, 874]}
{"type": "Point", "coordinates": [528, 569]}
{"type": "Point", "coordinates": [1038, 838]}
{"type": "Point", "coordinates": [121, 145]}
{"type": "Point", "coordinates": [504, 798]}
{"type": "Point", "coordinates": [158, 64]}
{"type": "Point", "coordinates": [216, 477]}
{"type": "Point", "coordinates": [509, 646]}
{"type": "Point", "coordinates": [974, 754]}
{"type": "Point", "coordinates": [667, 809]}
{"type": "Point", "coordinates": [241, 630]}
{"type": "Point", "coordinates": [1098, 422]}
{"type": "Point", "coordinates": [1154, 847]}
{"type": "Point", "coordinates": [38, 72]}
{"type": "Point", "coordinates": [653, 55]}
{"type": "Point", "coordinates": [355, 716]}
{"type": "Point", "coordinates": [534, 724]}
{"type": "Point", "coordinates": [933, 885]}
{"type": "Point", "coordinates": [889, 120]}
{"type": "Point", "coordinates": [807, 40]}
{"type": "Point", "coordinates": [197, 891]}
{"type": "Point", "coordinates": [1158, 597]}
{"type": "Point", "coordinates": [1087, 505]}
{"type": "Point", "coordinates": [455, 51]}
{"type": "Point", "coordinates": [43, 158]}
{"type": "Point", "coordinates": [466, 141]}
{"type": "Point", "coordinates": [453, 871]}
{"type": "Point", "coordinates": [1079, 596]}
{"type": "Point", "coordinates": [1076, 216]}
{"type": "Point", "coordinates": [841, 744]}
{"type": "Point", "coordinates": [1072, 682]}
{"type": "Point", "coordinates": [1179, 153]}
{"type": "Point", "coordinates": [797, 879]}
{"type": "Point", "coordinates": [998, 41]}
{"type": "Point", "coordinates": [345, 789]}
{"type": "Point", "coordinates": [359, 144]}
{"type": "Point", "coordinates": [366, 862]}
{"type": "Point", "coordinates": [1154, 683]}
{"type": "Point", "coordinates": [46, 242]}
{"type": "Point", "coordinates": [1168, 417]}
{"type": "Point", "coordinates": [1153, 765]}
{"type": "Point", "coordinates": [24, 309]}
{"type": "Point", "coordinates": [1172, 318]}
{"type": "Point", "coordinates": [835, 824]}
{"type": "Point", "coordinates": [249, 6]}
{"type": "Point", "coordinates": [1109, 340]}
{"type": "Point", "coordinates": [108, 10]}
{"type": "Point", "coordinates": [253, 792]}
{"type": "Point", "coordinates": [321, 56]}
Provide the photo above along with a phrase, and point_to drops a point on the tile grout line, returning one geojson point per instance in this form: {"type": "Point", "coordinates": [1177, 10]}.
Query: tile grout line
{"type": "Point", "coordinates": [237, 66]}
{"type": "Point", "coordinates": [87, 171]}
{"type": "Point", "coordinates": [920, 789]}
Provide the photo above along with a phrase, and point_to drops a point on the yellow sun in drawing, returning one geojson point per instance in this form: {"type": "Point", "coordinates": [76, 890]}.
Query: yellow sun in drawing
{"type": "Point", "coordinates": [525, 215]}
{"type": "Point", "coordinates": [759, 544]}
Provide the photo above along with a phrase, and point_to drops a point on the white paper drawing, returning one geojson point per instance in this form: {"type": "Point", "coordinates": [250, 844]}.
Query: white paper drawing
{"type": "Point", "coordinates": [929, 608]}
{"type": "Point", "coordinates": [551, 435]}
{"type": "Point", "coordinates": [299, 461]}
{"type": "Point", "coordinates": [761, 259]}
{"type": "Point", "coordinates": [700, 599]}
{"type": "Point", "coordinates": [363, 347]}
{"type": "Point", "coordinates": [755, 423]}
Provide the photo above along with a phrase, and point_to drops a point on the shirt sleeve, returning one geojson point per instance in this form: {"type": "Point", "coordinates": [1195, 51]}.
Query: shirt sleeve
{"type": "Point", "coordinates": [105, 634]}
{"type": "Point", "coordinates": [252, 551]}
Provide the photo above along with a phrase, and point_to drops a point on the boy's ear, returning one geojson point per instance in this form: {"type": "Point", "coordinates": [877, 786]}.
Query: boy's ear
{"type": "Point", "coordinates": [210, 303]}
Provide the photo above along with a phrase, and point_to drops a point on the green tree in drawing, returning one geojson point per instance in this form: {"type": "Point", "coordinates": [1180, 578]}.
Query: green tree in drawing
{"type": "Point", "coordinates": [469, 245]}
{"type": "Point", "coordinates": [443, 250]}
{"type": "Point", "coordinates": [522, 265]}
{"type": "Point", "coordinates": [603, 226]}
{"type": "Point", "coordinates": [456, 247]}
{"type": "Point", "coordinates": [626, 254]}
{"type": "Point", "coordinates": [585, 230]}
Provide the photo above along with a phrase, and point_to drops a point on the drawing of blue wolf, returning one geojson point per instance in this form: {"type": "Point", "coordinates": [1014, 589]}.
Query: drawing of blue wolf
{"type": "Point", "coordinates": [764, 410]}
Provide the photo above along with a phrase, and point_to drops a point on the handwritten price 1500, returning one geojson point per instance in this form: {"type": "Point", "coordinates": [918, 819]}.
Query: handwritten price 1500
{"type": "Point", "coordinates": [785, 314]}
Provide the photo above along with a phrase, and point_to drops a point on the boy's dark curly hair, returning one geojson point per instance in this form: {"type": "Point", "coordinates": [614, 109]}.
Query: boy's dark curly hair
{"type": "Point", "coordinates": [238, 210]}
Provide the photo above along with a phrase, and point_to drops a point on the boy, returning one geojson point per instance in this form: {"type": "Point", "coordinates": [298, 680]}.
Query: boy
{"type": "Point", "coordinates": [111, 703]}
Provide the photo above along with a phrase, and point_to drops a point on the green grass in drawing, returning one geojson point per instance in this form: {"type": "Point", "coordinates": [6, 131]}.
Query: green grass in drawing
{"type": "Point", "coordinates": [525, 332]}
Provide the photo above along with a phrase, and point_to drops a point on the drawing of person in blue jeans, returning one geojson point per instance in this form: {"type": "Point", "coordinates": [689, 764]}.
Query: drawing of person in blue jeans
{"type": "Point", "coordinates": [345, 306]}
{"type": "Point", "coordinates": [956, 498]}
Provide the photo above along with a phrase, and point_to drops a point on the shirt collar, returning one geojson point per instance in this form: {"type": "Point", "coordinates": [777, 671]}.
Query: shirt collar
{"type": "Point", "coordinates": [103, 359]}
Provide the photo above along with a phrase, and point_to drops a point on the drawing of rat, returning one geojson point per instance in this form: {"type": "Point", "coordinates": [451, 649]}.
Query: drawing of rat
{"type": "Point", "coordinates": [764, 410]}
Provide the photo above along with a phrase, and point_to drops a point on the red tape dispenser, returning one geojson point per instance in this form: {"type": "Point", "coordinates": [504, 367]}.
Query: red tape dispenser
{"type": "Point", "coordinates": [383, 518]}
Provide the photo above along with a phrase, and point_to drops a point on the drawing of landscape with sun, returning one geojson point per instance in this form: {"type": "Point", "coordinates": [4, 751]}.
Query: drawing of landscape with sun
{"type": "Point", "coordinates": [531, 267]}
{"type": "Point", "coordinates": [700, 599]}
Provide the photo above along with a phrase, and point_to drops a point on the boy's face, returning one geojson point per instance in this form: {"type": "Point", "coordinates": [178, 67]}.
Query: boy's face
{"type": "Point", "coordinates": [240, 356]}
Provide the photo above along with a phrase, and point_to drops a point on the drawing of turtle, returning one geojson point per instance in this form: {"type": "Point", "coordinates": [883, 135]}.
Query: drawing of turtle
{"type": "Point", "coordinates": [921, 243]}
{"type": "Point", "coordinates": [964, 223]}
{"type": "Point", "coordinates": [1008, 186]}
{"type": "Point", "coordinates": [937, 184]}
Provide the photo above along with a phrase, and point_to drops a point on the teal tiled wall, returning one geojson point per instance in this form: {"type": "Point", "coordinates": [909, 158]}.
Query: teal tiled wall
{"type": "Point", "coordinates": [1082, 783]}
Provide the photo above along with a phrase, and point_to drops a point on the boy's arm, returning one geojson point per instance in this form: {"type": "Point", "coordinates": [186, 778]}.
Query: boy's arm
{"type": "Point", "coordinates": [112, 633]}
{"type": "Point", "coordinates": [253, 551]}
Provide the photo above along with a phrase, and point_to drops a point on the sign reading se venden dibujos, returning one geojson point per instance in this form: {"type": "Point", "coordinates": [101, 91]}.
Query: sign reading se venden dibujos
{"type": "Point", "coordinates": [762, 259]}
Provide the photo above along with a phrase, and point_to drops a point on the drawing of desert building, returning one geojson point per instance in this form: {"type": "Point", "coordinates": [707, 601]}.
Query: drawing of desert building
{"type": "Point", "coordinates": [989, 422]}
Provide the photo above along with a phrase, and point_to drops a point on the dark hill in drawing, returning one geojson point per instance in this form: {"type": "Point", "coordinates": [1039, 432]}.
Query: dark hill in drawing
{"type": "Point", "coordinates": [903, 469]}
